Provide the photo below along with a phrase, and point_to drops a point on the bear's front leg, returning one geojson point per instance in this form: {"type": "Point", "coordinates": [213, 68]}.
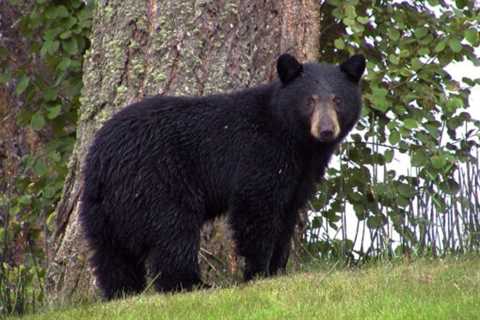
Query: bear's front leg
{"type": "Point", "coordinates": [282, 246]}
{"type": "Point", "coordinates": [278, 263]}
{"type": "Point", "coordinates": [254, 233]}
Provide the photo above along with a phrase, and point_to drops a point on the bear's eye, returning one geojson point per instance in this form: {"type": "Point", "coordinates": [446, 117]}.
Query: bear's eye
{"type": "Point", "coordinates": [337, 100]}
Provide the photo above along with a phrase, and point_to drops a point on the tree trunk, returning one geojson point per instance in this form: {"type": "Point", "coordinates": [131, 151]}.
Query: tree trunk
{"type": "Point", "coordinates": [142, 48]}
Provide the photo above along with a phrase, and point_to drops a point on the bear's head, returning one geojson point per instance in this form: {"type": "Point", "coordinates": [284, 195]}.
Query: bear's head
{"type": "Point", "coordinates": [322, 101]}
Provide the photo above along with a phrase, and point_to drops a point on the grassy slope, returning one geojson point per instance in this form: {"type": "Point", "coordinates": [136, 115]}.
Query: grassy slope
{"type": "Point", "coordinates": [445, 289]}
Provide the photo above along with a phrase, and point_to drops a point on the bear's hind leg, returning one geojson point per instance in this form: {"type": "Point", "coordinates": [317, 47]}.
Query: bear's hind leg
{"type": "Point", "coordinates": [174, 263]}
{"type": "Point", "coordinates": [118, 274]}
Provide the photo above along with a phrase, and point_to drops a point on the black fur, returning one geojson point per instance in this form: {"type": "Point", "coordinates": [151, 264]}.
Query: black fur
{"type": "Point", "coordinates": [354, 67]}
{"type": "Point", "coordinates": [288, 68]}
{"type": "Point", "coordinates": [162, 167]}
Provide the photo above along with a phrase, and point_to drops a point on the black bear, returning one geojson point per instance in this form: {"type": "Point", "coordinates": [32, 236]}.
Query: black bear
{"type": "Point", "coordinates": [162, 167]}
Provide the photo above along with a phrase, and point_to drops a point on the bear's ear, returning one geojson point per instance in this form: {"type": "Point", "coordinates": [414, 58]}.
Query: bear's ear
{"type": "Point", "coordinates": [354, 67]}
{"type": "Point", "coordinates": [288, 68]}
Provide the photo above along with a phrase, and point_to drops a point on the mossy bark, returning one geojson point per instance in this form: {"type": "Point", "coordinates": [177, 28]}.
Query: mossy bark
{"type": "Point", "coordinates": [149, 47]}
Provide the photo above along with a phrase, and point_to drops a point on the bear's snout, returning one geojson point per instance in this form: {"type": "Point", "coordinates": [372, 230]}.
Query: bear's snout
{"type": "Point", "coordinates": [324, 124]}
{"type": "Point", "coordinates": [327, 129]}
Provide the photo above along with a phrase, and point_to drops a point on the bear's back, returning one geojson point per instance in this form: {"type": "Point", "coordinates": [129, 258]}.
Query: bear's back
{"type": "Point", "coordinates": [187, 147]}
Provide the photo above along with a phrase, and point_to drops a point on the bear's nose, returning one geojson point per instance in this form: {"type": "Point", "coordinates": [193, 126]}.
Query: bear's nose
{"type": "Point", "coordinates": [326, 134]}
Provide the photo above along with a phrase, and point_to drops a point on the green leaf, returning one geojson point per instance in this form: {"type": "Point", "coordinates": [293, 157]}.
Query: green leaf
{"type": "Point", "coordinates": [51, 34]}
{"type": "Point", "coordinates": [54, 12]}
{"type": "Point", "coordinates": [416, 64]}
{"type": "Point", "coordinates": [50, 47]}
{"type": "Point", "coordinates": [388, 155]}
{"type": "Point", "coordinates": [439, 162]}
{"type": "Point", "coordinates": [419, 158]}
{"type": "Point", "coordinates": [358, 28]}
{"type": "Point", "coordinates": [14, 210]}
{"type": "Point", "coordinates": [349, 22]}
{"type": "Point", "coordinates": [410, 123]}
{"type": "Point", "coordinates": [421, 32]}
{"type": "Point", "coordinates": [394, 59]}
{"type": "Point", "coordinates": [393, 34]}
{"type": "Point", "coordinates": [404, 190]}
{"type": "Point", "coordinates": [40, 168]}
{"type": "Point", "coordinates": [339, 43]}
{"type": "Point", "coordinates": [64, 64]}
{"type": "Point", "coordinates": [439, 203]}
{"type": "Point", "coordinates": [77, 3]}
{"type": "Point", "coordinates": [70, 46]}
{"type": "Point", "coordinates": [432, 128]}
{"type": "Point", "coordinates": [376, 221]}
{"type": "Point", "coordinates": [62, 12]}
{"type": "Point", "coordinates": [454, 103]}
{"type": "Point", "coordinates": [49, 192]}
{"type": "Point", "coordinates": [453, 186]}
{"type": "Point", "coordinates": [54, 156]}
{"type": "Point", "coordinates": [380, 104]}
{"type": "Point", "coordinates": [404, 53]}
{"type": "Point", "coordinates": [25, 199]}
{"type": "Point", "coordinates": [455, 45]}
{"type": "Point", "coordinates": [316, 222]}
{"type": "Point", "coordinates": [54, 112]}
{"type": "Point", "coordinates": [5, 77]}
{"type": "Point", "coordinates": [65, 35]}
{"type": "Point", "coordinates": [461, 3]}
{"type": "Point", "coordinates": [350, 11]}
{"type": "Point", "coordinates": [379, 92]}
{"type": "Point", "coordinates": [4, 53]}
{"type": "Point", "coordinates": [362, 20]}
{"type": "Point", "coordinates": [50, 94]}
{"type": "Point", "coordinates": [426, 40]}
{"type": "Point", "coordinates": [51, 13]}
{"type": "Point", "coordinates": [423, 51]}
{"type": "Point", "coordinates": [22, 85]}
{"type": "Point", "coordinates": [440, 46]}
{"type": "Point", "coordinates": [335, 3]}
{"type": "Point", "coordinates": [38, 121]}
{"type": "Point", "coordinates": [69, 23]}
{"type": "Point", "coordinates": [379, 99]}
{"type": "Point", "coordinates": [471, 35]}
{"type": "Point", "coordinates": [425, 139]}
{"type": "Point", "coordinates": [394, 137]}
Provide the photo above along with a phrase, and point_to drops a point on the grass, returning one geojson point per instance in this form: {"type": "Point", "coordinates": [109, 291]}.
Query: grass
{"type": "Point", "coordinates": [437, 289]}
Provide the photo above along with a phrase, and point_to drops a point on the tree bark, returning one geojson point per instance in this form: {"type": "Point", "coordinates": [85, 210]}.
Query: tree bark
{"type": "Point", "coordinates": [142, 48]}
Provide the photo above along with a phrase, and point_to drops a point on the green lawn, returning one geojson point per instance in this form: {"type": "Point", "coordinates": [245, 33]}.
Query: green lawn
{"type": "Point", "coordinates": [439, 289]}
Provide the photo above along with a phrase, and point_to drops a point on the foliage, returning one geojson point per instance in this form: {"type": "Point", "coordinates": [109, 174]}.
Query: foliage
{"type": "Point", "coordinates": [16, 292]}
{"type": "Point", "coordinates": [48, 81]}
{"type": "Point", "coordinates": [414, 113]}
